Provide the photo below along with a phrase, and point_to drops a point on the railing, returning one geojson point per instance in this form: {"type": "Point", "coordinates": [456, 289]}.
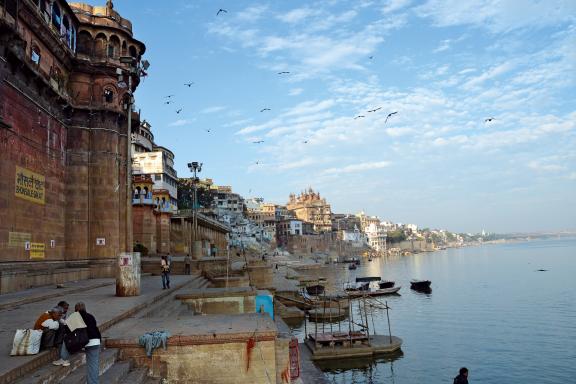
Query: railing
{"type": "Point", "coordinates": [142, 200]}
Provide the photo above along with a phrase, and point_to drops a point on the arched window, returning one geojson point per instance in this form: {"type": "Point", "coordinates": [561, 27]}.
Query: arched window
{"type": "Point", "coordinates": [113, 46]}
{"type": "Point", "coordinates": [35, 54]}
{"type": "Point", "coordinates": [132, 51]}
{"type": "Point", "coordinates": [100, 45]}
{"type": "Point", "coordinates": [65, 32]}
{"type": "Point", "coordinates": [85, 43]}
{"type": "Point", "coordinates": [56, 16]}
{"type": "Point", "coordinates": [108, 95]}
{"type": "Point", "coordinates": [124, 48]}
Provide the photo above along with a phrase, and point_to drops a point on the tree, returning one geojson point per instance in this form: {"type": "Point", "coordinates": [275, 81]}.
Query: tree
{"type": "Point", "coordinates": [186, 192]}
{"type": "Point", "coordinates": [396, 236]}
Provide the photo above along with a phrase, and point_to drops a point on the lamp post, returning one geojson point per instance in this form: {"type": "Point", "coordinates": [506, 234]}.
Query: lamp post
{"type": "Point", "coordinates": [195, 167]}
{"type": "Point", "coordinates": [128, 275]}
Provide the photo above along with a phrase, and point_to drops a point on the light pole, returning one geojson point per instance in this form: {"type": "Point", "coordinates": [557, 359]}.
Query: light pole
{"type": "Point", "coordinates": [128, 275]}
{"type": "Point", "coordinates": [195, 167]}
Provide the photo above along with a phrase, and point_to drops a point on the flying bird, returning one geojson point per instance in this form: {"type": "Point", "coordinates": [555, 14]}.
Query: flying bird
{"type": "Point", "coordinates": [371, 57]}
{"type": "Point", "coordinates": [208, 130]}
{"type": "Point", "coordinates": [390, 115]}
{"type": "Point", "coordinates": [167, 102]}
{"type": "Point", "coordinates": [305, 141]}
{"type": "Point", "coordinates": [283, 73]}
{"type": "Point", "coordinates": [265, 109]}
{"type": "Point", "coordinates": [359, 116]}
{"type": "Point", "coordinates": [258, 142]}
{"type": "Point", "coordinates": [489, 119]}
{"type": "Point", "coordinates": [257, 163]}
{"type": "Point", "coordinates": [169, 96]}
{"type": "Point", "coordinates": [179, 110]}
{"type": "Point", "coordinates": [189, 84]}
{"type": "Point", "coordinates": [375, 109]}
{"type": "Point", "coordinates": [221, 11]}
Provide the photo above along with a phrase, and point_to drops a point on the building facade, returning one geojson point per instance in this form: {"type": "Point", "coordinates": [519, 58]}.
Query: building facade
{"type": "Point", "coordinates": [64, 208]}
{"type": "Point", "coordinates": [310, 207]}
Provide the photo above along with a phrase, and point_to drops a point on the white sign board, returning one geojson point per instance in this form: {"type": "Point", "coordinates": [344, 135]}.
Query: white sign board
{"type": "Point", "coordinates": [52, 243]}
{"type": "Point", "coordinates": [100, 241]}
{"type": "Point", "coordinates": [126, 260]}
{"type": "Point", "coordinates": [27, 245]}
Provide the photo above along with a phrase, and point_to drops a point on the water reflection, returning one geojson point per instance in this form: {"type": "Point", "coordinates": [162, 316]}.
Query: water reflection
{"type": "Point", "coordinates": [362, 370]}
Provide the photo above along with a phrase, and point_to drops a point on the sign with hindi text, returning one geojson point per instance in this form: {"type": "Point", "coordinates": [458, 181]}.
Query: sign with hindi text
{"type": "Point", "coordinates": [30, 185]}
{"type": "Point", "coordinates": [37, 251]}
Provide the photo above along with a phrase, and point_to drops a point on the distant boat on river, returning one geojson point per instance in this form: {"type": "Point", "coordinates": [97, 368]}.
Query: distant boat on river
{"type": "Point", "coordinates": [420, 285]}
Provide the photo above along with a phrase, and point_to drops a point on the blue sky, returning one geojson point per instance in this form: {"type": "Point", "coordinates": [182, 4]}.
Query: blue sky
{"type": "Point", "coordinates": [444, 66]}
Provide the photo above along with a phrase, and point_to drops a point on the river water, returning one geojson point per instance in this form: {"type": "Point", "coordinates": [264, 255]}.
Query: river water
{"type": "Point", "coordinates": [489, 310]}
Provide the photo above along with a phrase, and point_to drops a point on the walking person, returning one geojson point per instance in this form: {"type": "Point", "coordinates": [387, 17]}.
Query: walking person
{"type": "Point", "coordinates": [92, 348]}
{"type": "Point", "coordinates": [165, 265]}
{"type": "Point", "coordinates": [187, 263]}
{"type": "Point", "coordinates": [462, 378]}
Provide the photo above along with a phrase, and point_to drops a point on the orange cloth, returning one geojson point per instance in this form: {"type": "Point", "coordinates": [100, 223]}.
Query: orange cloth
{"type": "Point", "coordinates": [43, 317]}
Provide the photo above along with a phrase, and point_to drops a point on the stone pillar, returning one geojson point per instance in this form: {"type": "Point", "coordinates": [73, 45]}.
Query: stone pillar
{"type": "Point", "coordinates": [196, 249]}
{"type": "Point", "coordinates": [128, 277]}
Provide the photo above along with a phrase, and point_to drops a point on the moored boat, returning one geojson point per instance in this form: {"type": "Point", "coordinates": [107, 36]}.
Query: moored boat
{"type": "Point", "coordinates": [386, 284]}
{"type": "Point", "coordinates": [352, 266]}
{"type": "Point", "coordinates": [316, 289]}
{"type": "Point", "coordinates": [377, 292]}
{"type": "Point", "coordinates": [420, 285]}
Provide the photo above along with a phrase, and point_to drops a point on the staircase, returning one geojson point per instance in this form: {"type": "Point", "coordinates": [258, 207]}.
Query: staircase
{"type": "Point", "coordinates": [113, 370]}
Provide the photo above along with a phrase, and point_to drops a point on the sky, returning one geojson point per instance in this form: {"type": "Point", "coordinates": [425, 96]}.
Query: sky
{"type": "Point", "coordinates": [443, 67]}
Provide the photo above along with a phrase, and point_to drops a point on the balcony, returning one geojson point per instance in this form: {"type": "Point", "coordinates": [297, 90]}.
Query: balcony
{"type": "Point", "coordinates": [142, 200]}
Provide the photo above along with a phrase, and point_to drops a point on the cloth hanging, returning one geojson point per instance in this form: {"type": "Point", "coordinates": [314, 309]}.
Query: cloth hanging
{"type": "Point", "coordinates": [153, 340]}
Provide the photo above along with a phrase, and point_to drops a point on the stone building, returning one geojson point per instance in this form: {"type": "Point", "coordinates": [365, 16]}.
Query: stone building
{"type": "Point", "coordinates": [64, 202]}
{"type": "Point", "coordinates": [310, 207]}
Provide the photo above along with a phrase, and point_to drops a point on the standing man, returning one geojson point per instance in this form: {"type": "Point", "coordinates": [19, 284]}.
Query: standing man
{"type": "Point", "coordinates": [165, 265]}
{"type": "Point", "coordinates": [92, 349]}
{"type": "Point", "coordinates": [462, 378]}
{"type": "Point", "coordinates": [187, 263]}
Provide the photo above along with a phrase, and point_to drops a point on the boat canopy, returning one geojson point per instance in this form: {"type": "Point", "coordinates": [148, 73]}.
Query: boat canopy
{"type": "Point", "coordinates": [368, 278]}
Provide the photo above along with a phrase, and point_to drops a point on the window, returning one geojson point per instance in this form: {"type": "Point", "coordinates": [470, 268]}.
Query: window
{"type": "Point", "coordinates": [108, 95]}
{"type": "Point", "coordinates": [35, 55]}
{"type": "Point", "coordinates": [110, 51]}
{"type": "Point", "coordinates": [56, 16]}
{"type": "Point", "coordinates": [157, 177]}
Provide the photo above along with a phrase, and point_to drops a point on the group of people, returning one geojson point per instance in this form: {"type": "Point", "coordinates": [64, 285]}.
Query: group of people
{"type": "Point", "coordinates": [56, 325]}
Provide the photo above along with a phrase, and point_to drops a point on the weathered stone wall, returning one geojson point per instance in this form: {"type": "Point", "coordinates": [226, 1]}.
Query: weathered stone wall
{"type": "Point", "coordinates": [223, 363]}
{"type": "Point", "coordinates": [144, 226]}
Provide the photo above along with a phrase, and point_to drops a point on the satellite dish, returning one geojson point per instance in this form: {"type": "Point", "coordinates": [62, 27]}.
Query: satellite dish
{"type": "Point", "coordinates": [122, 84]}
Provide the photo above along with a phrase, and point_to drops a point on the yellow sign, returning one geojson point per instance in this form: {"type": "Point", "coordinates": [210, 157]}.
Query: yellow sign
{"type": "Point", "coordinates": [37, 251]}
{"type": "Point", "coordinates": [17, 239]}
{"type": "Point", "coordinates": [29, 185]}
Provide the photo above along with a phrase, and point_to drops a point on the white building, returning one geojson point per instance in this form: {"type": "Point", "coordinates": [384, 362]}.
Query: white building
{"type": "Point", "coordinates": [376, 235]}
{"type": "Point", "coordinates": [159, 164]}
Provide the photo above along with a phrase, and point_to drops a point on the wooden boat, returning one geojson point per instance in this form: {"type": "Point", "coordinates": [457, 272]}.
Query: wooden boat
{"type": "Point", "coordinates": [377, 292]}
{"type": "Point", "coordinates": [368, 279]}
{"type": "Point", "coordinates": [420, 285]}
{"type": "Point", "coordinates": [345, 345]}
{"type": "Point", "coordinates": [357, 286]}
{"type": "Point", "coordinates": [327, 314]}
{"type": "Point", "coordinates": [386, 284]}
{"type": "Point", "coordinates": [316, 289]}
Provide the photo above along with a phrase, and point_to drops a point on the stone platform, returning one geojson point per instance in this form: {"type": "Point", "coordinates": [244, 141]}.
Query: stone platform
{"type": "Point", "coordinates": [20, 311]}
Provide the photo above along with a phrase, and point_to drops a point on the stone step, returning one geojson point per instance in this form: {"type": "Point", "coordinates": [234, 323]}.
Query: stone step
{"type": "Point", "coordinates": [136, 376]}
{"type": "Point", "coordinates": [51, 374]}
{"type": "Point", "coordinates": [117, 373]}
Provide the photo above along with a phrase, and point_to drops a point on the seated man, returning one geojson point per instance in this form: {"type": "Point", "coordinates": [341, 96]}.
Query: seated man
{"type": "Point", "coordinates": [49, 324]}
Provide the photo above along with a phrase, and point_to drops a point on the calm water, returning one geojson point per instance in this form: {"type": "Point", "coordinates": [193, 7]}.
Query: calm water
{"type": "Point", "coordinates": [489, 310]}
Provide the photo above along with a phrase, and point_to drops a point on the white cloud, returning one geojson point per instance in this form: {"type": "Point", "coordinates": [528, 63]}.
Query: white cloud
{"type": "Point", "coordinates": [180, 122]}
{"type": "Point", "coordinates": [539, 166]}
{"type": "Point", "coordinates": [295, 91]}
{"type": "Point", "coordinates": [213, 109]}
{"type": "Point", "coordinates": [298, 15]}
{"type": "Point", "coordinates": [490, 74]}
{"type": "Point", "coordinates": [252, 14]}
{"type": "Point", "coordinates": [360, 167]}
{"type": "Point", "coordinates": [395, 5]}
{"type": "Point", "coordinates": [498, 15]}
